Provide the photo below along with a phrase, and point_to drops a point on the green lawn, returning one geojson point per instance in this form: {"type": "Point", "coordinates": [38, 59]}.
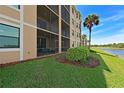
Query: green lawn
{"type": "Point", "coordinates": [50, 73]}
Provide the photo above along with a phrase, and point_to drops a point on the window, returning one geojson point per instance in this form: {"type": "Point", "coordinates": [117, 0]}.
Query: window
{"type": "Point", "coordinates": [76, 15]}
{"type": "Point", "coordinates": [73, 21]}
{"type": "Point", "coordinates": [72, 10]}
{"type": "Point", "coordinates": [68, 7]}
{"type": "Point", "coordinates": [73, 44]}
{"type": "Point", "coordinates": [9, 36]}
{"type": "Point", "coordinates": [42, 24]}
{"type": "Point", "coordinates": [72, 32]}
{"type": "Point", "coordinates": [41, 42]}
{"type": "Point", "coordinates": [77, 25]}
{"type": "Point", "coordinates": [16, 6]}
{"type": "Point", "coordinates": [77, 34]}
{"type": "Point", "coordinates": [65, 14]}
{"type": "Point", "coordinates": [55, 8]}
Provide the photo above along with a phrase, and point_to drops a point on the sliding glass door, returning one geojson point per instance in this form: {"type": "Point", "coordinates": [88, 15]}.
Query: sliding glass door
{"type": "Point", "coordinates": [41, 42]}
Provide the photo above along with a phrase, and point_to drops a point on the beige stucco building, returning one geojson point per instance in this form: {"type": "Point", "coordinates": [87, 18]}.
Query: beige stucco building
{"type": "Point", "coordinates": [27, 32]}
{"type": "Point", "coordinates": [75, 28]}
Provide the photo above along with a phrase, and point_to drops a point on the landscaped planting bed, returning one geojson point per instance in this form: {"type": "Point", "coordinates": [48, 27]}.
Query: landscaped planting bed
{"type": "Point", "coordinates": [80, 56]}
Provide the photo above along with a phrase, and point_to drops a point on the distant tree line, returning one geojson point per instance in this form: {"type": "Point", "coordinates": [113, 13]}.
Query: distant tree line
{"type": "Point", "coordinates": [114, 45]}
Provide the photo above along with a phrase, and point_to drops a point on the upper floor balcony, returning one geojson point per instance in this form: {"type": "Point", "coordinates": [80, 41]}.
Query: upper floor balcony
{"type": "Point", "coordinates": [65, 14]}
{"type": "Point", "coordinates": [55, 8]}
{"type": "Point", "coordinates": [65, 30]}
{"type": "Point", "coordinates": [47, 20]}
{"type": "Point", "coordinates": [68, 7]}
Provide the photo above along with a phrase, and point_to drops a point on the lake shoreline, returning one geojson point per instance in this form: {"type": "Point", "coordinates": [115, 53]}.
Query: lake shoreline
{"type": "Point", "coordinates": [115, 52]}
{"type": "Point", "coordinates": [110, 48]}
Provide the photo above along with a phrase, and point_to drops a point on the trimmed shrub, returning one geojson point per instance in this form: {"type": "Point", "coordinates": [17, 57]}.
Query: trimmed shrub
{"type": "Point", "coordinates": [78, 54]}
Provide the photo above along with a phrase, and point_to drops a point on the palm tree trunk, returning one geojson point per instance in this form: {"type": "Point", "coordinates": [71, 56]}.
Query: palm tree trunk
{"type": "Point", "coordinates": [89, 38]}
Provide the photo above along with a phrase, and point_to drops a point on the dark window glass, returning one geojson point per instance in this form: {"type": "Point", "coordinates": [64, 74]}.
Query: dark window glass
{"type": "Point", "coordinates": [77, 25]}
{"type": "Point", "coordinates": [77, 34]}
{"type": "Point", "coordinates": [73, 44]}
{"type": "Point", "coordinates": [42, 24]}
{"type": "Point", "coordinates": [73, 21]}
{"type": "Point", "coordinates": [65, 14]}
{"type": "Point", "coordinates": [41, 42]}
{"type": "Point", "coordinates": [77, 15]}
{"type": "Point", "coordinates": [55, 8]}
{"type": "Point", "coordinates": [72, 10]}
{"type": "Point", "coordinates": [9, 36]}
{"type": "Point", "coordinates": [16, 6]}
{"type": "Point", "coordinates": [68, 7]}
{"type": "Point", "coordinates": [72, 32]}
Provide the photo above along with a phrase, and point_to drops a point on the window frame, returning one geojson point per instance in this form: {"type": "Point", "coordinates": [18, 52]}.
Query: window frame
{"type": "Point", "coordinates": [18, 6]}
{"type": "Point", "coordinates": [10, 36]}
{"type": "Point", "coordinates": [14, 8]}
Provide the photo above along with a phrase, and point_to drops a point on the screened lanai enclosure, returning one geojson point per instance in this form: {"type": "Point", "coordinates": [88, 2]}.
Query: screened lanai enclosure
{"type": "Point", "coordinates": [65, 27]}
{"type": "Point", "coordinates": [47, 20]}
{"type": "Point", "coordinates": [47, 43]}
{"type": "Point", "coordinates": [47, 33]}
{"type": "Point", "coordinates": [48, 30]}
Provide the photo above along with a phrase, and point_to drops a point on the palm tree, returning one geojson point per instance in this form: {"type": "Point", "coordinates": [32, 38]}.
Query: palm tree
{"type": "Point", "coordinates": [89, 22]}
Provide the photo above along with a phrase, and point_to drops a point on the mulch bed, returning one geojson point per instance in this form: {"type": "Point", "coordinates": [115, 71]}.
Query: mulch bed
{"type": "Point", "coordinates": [91, 64]}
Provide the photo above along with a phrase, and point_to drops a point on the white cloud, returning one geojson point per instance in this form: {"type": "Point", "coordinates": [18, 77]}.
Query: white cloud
{"type": "Point", "coordinates": [109, 18]}
{"type": "Point", "coordinates": [97, 32]}
{"type": "Point", "coordinates": [103, 30]}
{"type": "Point", "coordinates": [119, 15]}
{"type": "Point", "coordinates": [101, 24]}
{"type": "Point", "coordinates": [117, 38]}
{"type": "Point", "coordinates": [121, 31]}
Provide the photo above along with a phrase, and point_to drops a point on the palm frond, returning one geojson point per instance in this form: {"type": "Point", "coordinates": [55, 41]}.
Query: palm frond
{"type": "Point", "coordinates": [91, 20]}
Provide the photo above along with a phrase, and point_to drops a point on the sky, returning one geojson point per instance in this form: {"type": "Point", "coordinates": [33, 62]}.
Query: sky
{"type": "Point", "coordinates": [111, 27]}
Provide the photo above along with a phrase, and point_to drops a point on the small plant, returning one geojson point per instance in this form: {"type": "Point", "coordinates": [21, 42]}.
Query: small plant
{"type": "Point", "coordinates": [78, 54]}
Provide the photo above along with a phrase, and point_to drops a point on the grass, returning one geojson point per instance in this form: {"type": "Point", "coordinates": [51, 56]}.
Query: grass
{"type": "Point", "coordinates": [50, 73]}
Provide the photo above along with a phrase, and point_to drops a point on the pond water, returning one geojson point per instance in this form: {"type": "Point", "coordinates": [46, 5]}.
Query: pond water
{"type": "Point", "coordinates": [119, 52]}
